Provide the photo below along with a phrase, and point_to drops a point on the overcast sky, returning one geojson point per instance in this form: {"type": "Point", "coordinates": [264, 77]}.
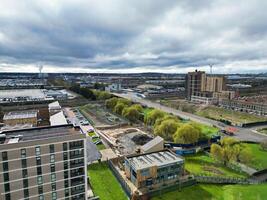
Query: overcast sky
{"type": "Point", "coordinates": [133, 36]}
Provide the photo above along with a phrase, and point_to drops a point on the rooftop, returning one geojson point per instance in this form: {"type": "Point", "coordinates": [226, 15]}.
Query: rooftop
{"type": "Point", "coordinates": [157, 140]}
{"type": "Point", "coordinates": [158, 159]}
{"type": "Point", "coordinates": [58, 119]}
{"type": "Point", "coordinates": [20, 115]}
{"type": "Point", "coordinates": [37, 133]}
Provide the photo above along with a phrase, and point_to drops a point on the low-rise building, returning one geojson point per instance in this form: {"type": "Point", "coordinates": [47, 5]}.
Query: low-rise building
{"type": "Point", "coordinates": [243, 106]}
{"type": "Point", "coordinates": [152, 170]}
{"type": "Point", "coordinates": [20, 117]}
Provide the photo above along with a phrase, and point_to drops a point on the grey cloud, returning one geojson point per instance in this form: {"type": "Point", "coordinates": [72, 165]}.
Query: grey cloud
{"type": "Point", "coordinates": [119, 34]}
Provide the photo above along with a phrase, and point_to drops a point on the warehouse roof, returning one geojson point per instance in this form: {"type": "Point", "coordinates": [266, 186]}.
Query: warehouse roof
{"type": "Point", "coordinates": [20, 115]}
{"type": "Point", "coordinates": [158, 159]}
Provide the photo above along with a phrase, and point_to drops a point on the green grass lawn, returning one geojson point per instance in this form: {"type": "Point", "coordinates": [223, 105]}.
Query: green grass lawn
{"type": "Point", "coordinates": [209, 130]}
{"type": "Point", "coordinates": [203, 164]}
{"type": "Point", "coordinates": [259, 158]}
{"type": "Point", "coordinates": [91, 133]}
{"type": "Point", "coordinates": [232, 116]}
{"type": "Point", "coordinates": [217, 192]}
{"type": "Point", "coordinates": [100, 146]}
{"type": "Point", "coordinates": [104, 184]}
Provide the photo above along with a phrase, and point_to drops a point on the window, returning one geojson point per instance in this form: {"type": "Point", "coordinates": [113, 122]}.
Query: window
{"type": "Point", "coordinates": [6, 177]}
{"type": "Point", "coordinates": [65, 146]}
{"type": "Point", "coordinates": [52, 168]}
{"type": "Point", "coordinates": [7, 187]}
{"type": "Point", "coordinates": [53, 185]}
{"type": "Point", "coordinates": [41, 197]}
{"type": "Point", "coordinates": [54, 196]}
{"type": "Point", "coordinates": [25, 183]}
{"type": "Point", "coordinates": [26, 193]}
{"type": "Point", "coordinates": [39, 170]}
{"type": "Point", "coordinates": [24, 163]}
{"type": "Point", "coordinates": [24, 173]}
{"type": "Point", "coordinates": [53, 177]}
{"type": "Point", "coordinates": [4, 156]}
{"type": "Point", "coordinates": [52, 158]}
{"type": "Point", "coordinates": [67, 192]}
{"type": "Point", "coordinates": [76, 144]}
{"type": "Point", "coordinates": [65, 155]}
{"type": "Point", "coordinates": [52, 148]}
{"type": "Point", "coordinates": [23, 153]}
{"type": "Point", "coordinates": [66, 183]}
{"type": "Point", "coordinates": [39, 180]}
{"type": "Point", "coordinates": [5, 166]}
{"type": "Point", "coordinates": [145, 172]}
{"type": "Point", "coordinates": [8, 196]}
{"type": "Point", "coordinates": [40, 189]}
{"type": "Point", "coordinates": [38, 160]}
{"type": "Point", "coordinates": [66, 174]}
{"type": "Point", "coordinates": [65, 165]}
{"type": "Point", "coordinates": [37, 151]}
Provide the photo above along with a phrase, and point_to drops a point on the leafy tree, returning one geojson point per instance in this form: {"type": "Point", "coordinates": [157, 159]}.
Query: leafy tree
{"type": "Point", "coordinates": [124, 101]}
{"type": "Point", "coordinates": [111, 103]}
{"type": "Point", "coordinates": [245, 156]}
{"type": "Point", "coordinates": [102, 95]}
{"type": "Point", "coordinates": [216, 151]}
{"type": "Point", "coordinates": [187, 134]}
{"type": "Point", "coordinates": [166, 129]}
{"type": "Point", "coordinates": [166, 117]}
{"type": "Point", "coordinates": [119, 108]}
{"type": "Point", "coordinates": [154, 115]}
{"type": "Point", "coordinates": [131, 113]}
{"type": "Point", "coordinates": [138, 107]}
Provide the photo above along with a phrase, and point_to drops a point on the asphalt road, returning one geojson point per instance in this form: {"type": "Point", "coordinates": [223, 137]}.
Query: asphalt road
{"type": "Point", "coordinates": [244, 134]}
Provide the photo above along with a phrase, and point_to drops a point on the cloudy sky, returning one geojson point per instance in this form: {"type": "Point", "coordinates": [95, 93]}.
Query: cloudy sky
{"type": "Point", "coordinates": [133, 35]}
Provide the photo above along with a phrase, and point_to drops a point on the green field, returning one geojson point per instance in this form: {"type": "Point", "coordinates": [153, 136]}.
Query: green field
{"type": "Point", "coordinates": [229, 115]}
{"type": "Point", "coordinates": [104, 184]}
{"type": "Point", "coordinates": [100, 146]}
{"type": "Point", "coordinates": [217, 192]}
{"type": "Point", "coordinates": [203, 164]}
{"type": "Point", "coordinates": [209, 130]}
{"type": "Point", "coordinates": [259, 158]}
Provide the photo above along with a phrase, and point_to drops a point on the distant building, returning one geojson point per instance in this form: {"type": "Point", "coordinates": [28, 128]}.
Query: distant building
{"type": "Point", "coordinates": [21, 117]}
{"type": "Point", "coordinates": [243, 106]}
{"type": "Point", "coordinates": [201, 88]}
{"type": "Point", "coordinates": [215, 83]}
{"type": "Point", "coordinates": [195, 82]}
{"type": "Point", "coordinates": [114, 87]}
{"type": "Point", "coordinates": [43, 163]}
{"type": "Point", "coordinates": [153, 170]}
{"type": "Point", "coordinates": [54, 107]}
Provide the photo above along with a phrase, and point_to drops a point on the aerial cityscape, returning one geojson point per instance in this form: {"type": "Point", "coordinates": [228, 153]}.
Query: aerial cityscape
{"type": "Point", "coordinates": [133, 100]}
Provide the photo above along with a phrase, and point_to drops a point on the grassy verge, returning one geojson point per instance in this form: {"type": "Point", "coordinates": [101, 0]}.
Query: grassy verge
{"type": "Point", "coordinates": [203, 164]}
{"type": "Point", "coordinates": [217, 192]}
{"type": "Point", "coordinates": [104, 184]}
{"type": "Point", "coordinates": [259, 158]}
{"type": "Point", "coordinates": [100, 147]}
{"type": "Point", "coordinates": [264, 130]}
{"type": "Point", "coordinates": [229, 115]}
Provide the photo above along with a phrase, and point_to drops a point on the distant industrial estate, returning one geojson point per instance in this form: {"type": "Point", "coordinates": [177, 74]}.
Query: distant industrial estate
{"type": "Point", "coordinates": [129, 136]}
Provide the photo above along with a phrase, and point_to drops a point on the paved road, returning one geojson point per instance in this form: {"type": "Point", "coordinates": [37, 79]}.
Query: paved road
{"type": "Point", "coordinates": [244, 134]}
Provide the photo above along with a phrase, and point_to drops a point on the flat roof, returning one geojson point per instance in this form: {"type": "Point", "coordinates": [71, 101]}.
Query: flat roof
{"type": "Point", "coordinates": [58, 119]}
{"type": "Point", "coordinates": [20, 114]}
{"type": "Point", "coordinates": [158, 159]}
{"type": "Point", "coordinates": [40, 133]}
